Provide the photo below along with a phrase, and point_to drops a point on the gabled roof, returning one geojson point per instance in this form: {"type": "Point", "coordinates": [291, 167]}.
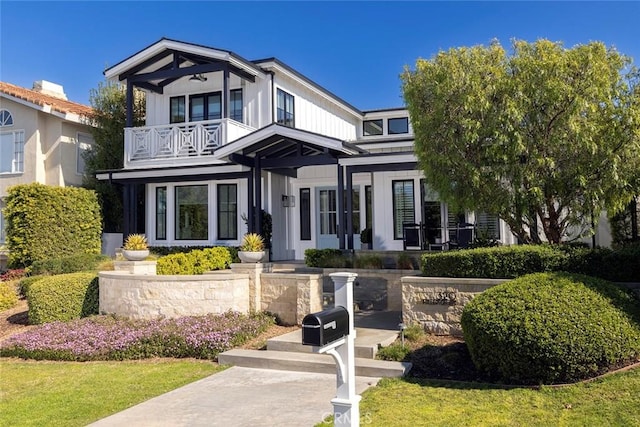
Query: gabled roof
{"type": "Point", "coordinates": [158, 52]}
{"type": "Point", "coordinates": [46, 101]}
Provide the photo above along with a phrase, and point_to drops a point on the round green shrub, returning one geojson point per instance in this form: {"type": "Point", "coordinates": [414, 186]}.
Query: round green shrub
{"type": "Point", "coordinates": [8, 295]}
{"type": "Point", "coordinates": [63, 297]}
{"type": "Point", "coordinates": [551, 328]}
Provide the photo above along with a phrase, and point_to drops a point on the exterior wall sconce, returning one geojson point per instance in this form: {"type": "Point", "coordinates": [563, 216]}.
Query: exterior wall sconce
{"type": "Point", "coordinates": [288, 201]}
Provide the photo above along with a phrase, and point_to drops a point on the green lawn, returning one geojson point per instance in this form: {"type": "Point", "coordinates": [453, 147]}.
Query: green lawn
{"type": "Point", "coordinates": [612, 401]}
{"type": "Point", "coordinates": [75, 394]}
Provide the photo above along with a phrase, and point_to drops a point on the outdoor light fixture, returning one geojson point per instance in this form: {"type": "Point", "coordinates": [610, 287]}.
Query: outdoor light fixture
{"type": "Point", "coordinates": [197, 78]}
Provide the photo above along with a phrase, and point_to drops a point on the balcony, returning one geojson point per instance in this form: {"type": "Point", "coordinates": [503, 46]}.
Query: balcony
{"type": "Point", "coordinates": [179, 144]}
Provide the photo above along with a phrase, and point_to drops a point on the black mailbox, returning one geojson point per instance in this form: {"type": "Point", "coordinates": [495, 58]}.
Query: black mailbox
{"type": "Point", "coordinates": [324, 327]}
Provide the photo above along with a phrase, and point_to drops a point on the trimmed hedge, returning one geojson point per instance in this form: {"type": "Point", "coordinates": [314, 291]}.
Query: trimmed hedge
{"type": "Point", "coordinates": [195, 262]}
{"type": "Point", "coordinates": [507, 262]}
{"type": "Point", "coordinates": [46, 222]}
{"type": "Point", "coordinates": [63, 297]}
{"type": "Point", "coordinates": [8, 295]}
{"type": "Point", "coordinates": [325, 258]}
{"type": "Point", "coordinates": [504, 262]}
{"type": "Point", "coordinates": [551, 328]}
{"type": "Point", "coordinates": [170, 250]}
{"type": "Point", "coordinates": [69, 264]}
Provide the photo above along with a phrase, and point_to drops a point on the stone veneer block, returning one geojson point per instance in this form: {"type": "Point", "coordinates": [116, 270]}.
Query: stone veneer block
{"type": "Point", "coordinates": [136, 267]}
{"type": "Point", "coordinates": [291, 296]}
{"type": "Point", "coordinates": [254, 271]}
{"type": "Point", "coordinates": [437, 302]}
{"type": "Point", "coordinates": [144, 296]}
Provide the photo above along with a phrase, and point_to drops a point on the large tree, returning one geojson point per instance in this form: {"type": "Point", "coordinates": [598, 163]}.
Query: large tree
{"type": "Point", "coordinates": [544, 136]}
{"type": "Point", "coordinates": [109, 115]}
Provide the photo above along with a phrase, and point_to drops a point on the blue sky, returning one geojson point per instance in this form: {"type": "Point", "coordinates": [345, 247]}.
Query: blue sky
{"type": "Point", "coordinates": [355, 49]}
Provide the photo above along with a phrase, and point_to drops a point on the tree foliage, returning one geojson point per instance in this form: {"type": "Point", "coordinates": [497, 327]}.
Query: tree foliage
{"type": "Point", "coordinates": [109, 118]}
{"type": "Point", "coordinates": [545, 137]}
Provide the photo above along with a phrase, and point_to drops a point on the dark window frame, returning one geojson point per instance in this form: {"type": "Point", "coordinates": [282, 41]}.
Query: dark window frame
{"type": "Point", "coordinates": [231, 214]}
{"type": "Point", "coordinates": [205, 105]}
{"type": "Point", "coordinates": [234, 114]}
{"type": "Point", "coordinates": [161, 217]}
{"type": "Point", "coordinates": [177, 213]}
{"type": "Point", "coordinates": [398, 233]}
{"type": "Point", "coordinates": [305, 214]}
{"type": "Point", "coordinates": [397, 119]}
{"type": "Point", "coordinates": [285, 120]}
{"type": "Point", "coordinates": [377, 121]}
{"type": "Point", "coordinates": [184, 109]}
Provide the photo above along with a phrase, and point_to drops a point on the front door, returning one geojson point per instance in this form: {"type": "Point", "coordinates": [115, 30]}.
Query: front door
{"type": "Point", "coordinates": [327, 218]}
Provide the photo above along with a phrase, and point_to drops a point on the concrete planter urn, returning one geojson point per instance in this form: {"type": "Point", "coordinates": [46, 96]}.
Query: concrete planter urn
{"type": "Point", "coordinates": [250, 256]}
{"type": "Point", "coordinates": [133, 255]}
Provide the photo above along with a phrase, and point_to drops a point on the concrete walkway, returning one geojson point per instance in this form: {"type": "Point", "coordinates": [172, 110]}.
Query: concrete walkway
{"type": "Point", "coordinates": [240, 397]}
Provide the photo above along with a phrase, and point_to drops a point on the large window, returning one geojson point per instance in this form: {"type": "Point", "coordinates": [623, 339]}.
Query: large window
{"type": "Point", "coordinates": [487, 226]}
{"type": "Point", "coordinates": [177, 114]}
{"type": "Point", "coordinates": [192, 207]}
{"type": "Point", "coordinates": [399, 125]}
{"type": "Point", "coordinates": [403, 206]}
{"type": "Point", "coordinates": [83, 146]}
{"type": "Point", "coordinates": [207, 106]}
{"type": "Point", "coordinates": [305, 214]}
{"type": "Point", "coordinates": [368, 202]}
{"type": "Point", "coordinates": [235, 102]}
{"type": "Point", "coordinates": [285, 109]}
{"type": "Point", "coordinates": [328, 211]}
{"type": "Point", "coordinates": [355, 209]}
{"type": "Point", "coordinates": [372, 127]}
{"type": "Point", "coordinates": [227, 212]}
{"type": "Point", "coordinates": [12, 152]}
{"type": "Point", "coordinates": [161, 213]}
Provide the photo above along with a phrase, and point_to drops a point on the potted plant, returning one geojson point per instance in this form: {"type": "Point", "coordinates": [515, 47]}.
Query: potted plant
{"type": "Point", "coordinates": [252, 248]}
{"type": "Point", "coordinates": [366, 236]}
{"type": "Point", "coordinates": [135, 247]}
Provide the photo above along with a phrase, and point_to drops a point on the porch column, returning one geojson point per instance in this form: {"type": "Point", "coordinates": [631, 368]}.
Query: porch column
{"type": "Point", "coordinates": [340, 214]}
{"type": "Point", "coordinates": [250, 223]}
{"type": "Point", "coordinates": [349, 208]}
{"type": "Point", "coordinates": [225, 90]}
{"type": "Point", "coordinates": [129, 104]}
{"type": "Point", "coordinates": [257, 171]}
{"type": "Point", "coordinates": [130, 210]}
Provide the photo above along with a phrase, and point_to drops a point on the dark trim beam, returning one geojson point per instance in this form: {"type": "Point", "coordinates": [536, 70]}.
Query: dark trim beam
{"type": "Point", "coordinates": [241, 160]}
{"type": "Point", "coordinates": [387, 167]}
{"type": "Point", "coordinates": [298, 162]}
{"type": "Point", "coordinates": [129, 101]}
{"type": "Point", "coordinates": [150, 86]}
{"type": "Point", "coordinates": [145, 64]}
{"type": "Point", "coordinates": [291, 173]}
{"type": "Point", "coordinates": [182, 178]}
{"type": "Point", "coordinates": [179, 72]}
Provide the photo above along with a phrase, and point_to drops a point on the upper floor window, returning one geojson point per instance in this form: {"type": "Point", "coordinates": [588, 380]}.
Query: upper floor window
{"type": "Point", "coordinates": [285, 109]}
{"type": "Point", "coordinates": [83, 146]}
{"type": "Point", "coordinates": [372, 127]}
{"type": "Point", "coordinates": [398, 125]}
{"type": "Point", "coordinates": [206, 106]}
{"type": "Point", "coordinates": [177, 109]}
{"type": "Point", "coordinates": [235, 105]}
{"type": "Point", "coordinates": [12, 152]}
{"type": "Point", "coordinates": [6, 119]}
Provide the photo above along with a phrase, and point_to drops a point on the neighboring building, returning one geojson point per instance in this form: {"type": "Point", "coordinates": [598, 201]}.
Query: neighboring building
{"type": "Point", "coordinates": [42, 138]}
{"type": "Point", "coordinates": [224, 134]}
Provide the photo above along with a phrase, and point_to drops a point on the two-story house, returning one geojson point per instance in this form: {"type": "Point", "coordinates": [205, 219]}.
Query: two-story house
{"type": "Point", "coordinates": [42, 138]}
{"type": "Point", "coordinates": [225, 135]}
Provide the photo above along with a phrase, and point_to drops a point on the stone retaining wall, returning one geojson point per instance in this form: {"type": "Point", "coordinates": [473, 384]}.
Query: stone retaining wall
{"type": "Point", "coordinates": [437, 302]}
{"type": "Point", "coordinates": [291, 296]}
{"type": "Point", "coordinates": [146, 296]}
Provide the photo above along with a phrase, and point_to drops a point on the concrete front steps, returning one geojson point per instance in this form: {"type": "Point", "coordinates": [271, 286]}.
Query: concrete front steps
{"type": "Point", "coordinates": [287, 353]}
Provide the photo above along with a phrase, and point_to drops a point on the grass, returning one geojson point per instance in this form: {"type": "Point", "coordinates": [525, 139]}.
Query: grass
{"type": "Point", "coordinates": [78, 393]}
{"type": "Point", "coordinates": [610, 401]}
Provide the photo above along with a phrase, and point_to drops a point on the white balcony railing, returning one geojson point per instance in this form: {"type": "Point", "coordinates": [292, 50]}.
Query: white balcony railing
{"type": "Point", "coordinates": [185, 142]}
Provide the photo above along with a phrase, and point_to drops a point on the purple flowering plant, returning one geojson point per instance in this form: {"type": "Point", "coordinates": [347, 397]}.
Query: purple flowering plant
{"type": "Point", "coordinates": [112, 338]}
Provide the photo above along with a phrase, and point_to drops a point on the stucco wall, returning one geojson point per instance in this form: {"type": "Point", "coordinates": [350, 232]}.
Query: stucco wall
{"type": "Point", "coordinates": [144, 296]}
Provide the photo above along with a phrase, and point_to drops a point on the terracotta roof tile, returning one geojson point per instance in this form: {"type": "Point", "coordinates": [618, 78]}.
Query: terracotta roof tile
{"type": "Point", "coordinates": [57, 104]}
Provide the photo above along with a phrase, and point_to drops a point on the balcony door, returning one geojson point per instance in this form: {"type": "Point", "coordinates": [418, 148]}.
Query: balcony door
{"type": "Point", "coordinates": [205, 106]}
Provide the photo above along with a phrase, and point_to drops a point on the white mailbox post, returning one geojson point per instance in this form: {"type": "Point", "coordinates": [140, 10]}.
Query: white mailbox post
{"type": "Point", "coordinates": [346, 404]}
